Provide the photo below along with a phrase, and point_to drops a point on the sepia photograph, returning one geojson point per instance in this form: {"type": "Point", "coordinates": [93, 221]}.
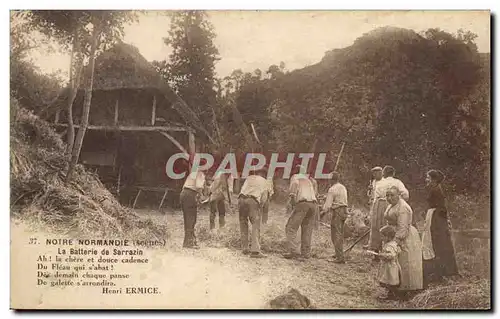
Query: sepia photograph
{"type": "Point", "coordinates": [250, 159]}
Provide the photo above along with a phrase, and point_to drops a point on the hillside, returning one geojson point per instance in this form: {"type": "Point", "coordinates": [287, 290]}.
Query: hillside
{"type": "Point", "coordinates": [389, 96]}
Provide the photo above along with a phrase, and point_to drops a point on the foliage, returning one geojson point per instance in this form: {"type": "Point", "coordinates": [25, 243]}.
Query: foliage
{"type": "Point", "coordinates": [32, 87]}
{"type": "Point", "coordinates": [414, 101]}
{"type": "Point", "coordinates": [60, 25]}
{"type": "Point", "coordinates": [84, 32]}
{"type": "Point", "coordinates": [191, 65]}
{"type": "Point", "coordinates": [28, 85]}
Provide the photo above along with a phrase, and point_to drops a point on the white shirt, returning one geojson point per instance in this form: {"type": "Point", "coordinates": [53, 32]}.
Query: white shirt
{"type": "Point", "coordinates": [374, 187]}
{"type": "Point", "coordinates": [195, 181]}
{"type": "Point", "coordinates": [336, 197]}
{"type": "Point", "coordinates": [218, 189]}
{"type": "Point", "coordinates": [303, 188]}
{"type": "Point", "coordinates": [257, 187]}
{"type": "Point", "coordinates": [385, 184]}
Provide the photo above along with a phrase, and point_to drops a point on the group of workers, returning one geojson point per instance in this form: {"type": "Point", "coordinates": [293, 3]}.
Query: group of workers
{"type": "Point", "coordinates": [253, 207]}
{"type": "Point", "coordinates": [408, 262]}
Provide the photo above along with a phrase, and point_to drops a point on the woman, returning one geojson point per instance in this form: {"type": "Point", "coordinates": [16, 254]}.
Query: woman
{"type": "Point", "coordinates": [380, 205]}
{"type": "Point", "coordinates": [399, 215]}
{"type": "Point", "coordinates": [438, 252]}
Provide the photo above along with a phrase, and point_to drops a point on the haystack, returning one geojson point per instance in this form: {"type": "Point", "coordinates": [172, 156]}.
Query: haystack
{"type": "Point", "coordinates": [38, 191]}
{"type": "Point", "coordinates": [455, 295]}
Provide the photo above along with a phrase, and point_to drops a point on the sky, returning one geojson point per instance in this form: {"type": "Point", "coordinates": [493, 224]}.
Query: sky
{"type": "Point", "coordinates": [257, 39]}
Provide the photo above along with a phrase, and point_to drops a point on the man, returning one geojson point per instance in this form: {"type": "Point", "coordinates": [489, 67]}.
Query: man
{"type": "Point", "coordinates": [253, 196]}
{"type": "Point", "coordinates": [303, 198]}
{"type": "Point", "coordinates": [218, 192]}
{"type": "Point", "coordinates": [380, 205]}
{"type": "Point", "coordinates": [265, 209]}
{"type": "Point", "coordinates": [190, 194]}
{"type": "Point", "coordinates": [336, 201]}
{"type": "Point", "coordinates": [295, 173]}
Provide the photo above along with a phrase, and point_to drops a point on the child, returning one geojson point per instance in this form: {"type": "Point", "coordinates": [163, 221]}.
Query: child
{"type": "Point", "coordinates": [389, 271]}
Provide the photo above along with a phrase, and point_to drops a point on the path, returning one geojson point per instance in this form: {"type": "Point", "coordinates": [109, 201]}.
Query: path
{"type": "Point", "coordinates": [328, 285]}
{"type": "Point", "coordinates": [213, 277]}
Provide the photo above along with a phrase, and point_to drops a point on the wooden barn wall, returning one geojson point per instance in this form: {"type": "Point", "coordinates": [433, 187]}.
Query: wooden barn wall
{"type": "Point", "coordinates": [140, 160]}
{"type": "Point", "coordinates": [134, 108]}
{"type": "Point", "coordinates": [144, 153]}
{"type": "Point", "coordinates": [152, 151]}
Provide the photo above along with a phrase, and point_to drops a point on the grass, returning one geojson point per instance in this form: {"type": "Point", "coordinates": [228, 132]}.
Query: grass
{"type": "Point", "coordinates": [455, 295]}
{"type": "Point", "coordinates": [471, 291]}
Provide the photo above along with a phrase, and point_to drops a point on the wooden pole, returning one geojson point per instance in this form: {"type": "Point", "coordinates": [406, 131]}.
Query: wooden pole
{"type": "Point", "coordinates": [192, 145]}
{"type": "Point", "coordinates": [255, 133]}
{"type": "Point", "coordinates": [56, 120]}
{"type": "Point", "coordinates": [338, 158]}
{"type": "Point", "coordinates": [163, 199]}
{"type": "Point", "coordinates": [116, 113]}
{"type": "Point", "coordinates": [136, 198]}
{"type": "Point", "coordinates": [174, 141]}
{"type": "Point", "coordinates": [118, 182]}
{"type": "Point", "coordinates": [357, 241]}
{"type": "Point", "coordinates": [153, 111]}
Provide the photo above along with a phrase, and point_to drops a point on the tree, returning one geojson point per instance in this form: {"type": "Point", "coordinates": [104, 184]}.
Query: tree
{"type": "Point", "coordinates": [32, 88]}
{"type": "Point", "coordinates": [190, 68]}
{"type": "Point", "coordinates": [237, 76]}
{"type": "Point", "coordinates": [75, 152]}
{"type": "Point", "coordinates": [282, 67]}
{"type": "Point", "coordinates": [273, 71]}
{"type": "Point", "coordinates": [258, 74]}
{"type": "Point", "coordinates": [84, 32]}
{"type": "Point", "coordinates": [414, 101]}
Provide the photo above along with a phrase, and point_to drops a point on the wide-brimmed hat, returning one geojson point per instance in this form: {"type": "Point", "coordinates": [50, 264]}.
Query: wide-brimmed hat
{"type": "Point", "coordinates": [377, 169]}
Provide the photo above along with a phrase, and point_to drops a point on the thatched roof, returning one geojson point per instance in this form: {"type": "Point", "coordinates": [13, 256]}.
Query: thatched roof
{"type": "Point", "coordinates": [123, 67]}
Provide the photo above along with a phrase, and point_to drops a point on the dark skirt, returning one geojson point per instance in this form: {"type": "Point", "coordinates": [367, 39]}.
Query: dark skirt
{"type": "Point", "coordinates": [444, 262]}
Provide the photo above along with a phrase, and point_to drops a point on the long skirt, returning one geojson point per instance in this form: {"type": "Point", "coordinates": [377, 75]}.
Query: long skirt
{"type": "Point", "coordinates": [444, 262]}
{"type": "Point", "coordinates": [410, 260]}
{"type": "Point", "coordinates": [376, 222]}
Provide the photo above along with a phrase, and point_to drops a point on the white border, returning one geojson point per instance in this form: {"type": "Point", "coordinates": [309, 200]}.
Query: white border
{"type": "Point", "coordinates": [187, 4]}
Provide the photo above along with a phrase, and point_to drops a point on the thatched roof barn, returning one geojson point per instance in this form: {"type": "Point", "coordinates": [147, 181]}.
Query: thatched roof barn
{"type": "Point", "coordinates": [136, 122]}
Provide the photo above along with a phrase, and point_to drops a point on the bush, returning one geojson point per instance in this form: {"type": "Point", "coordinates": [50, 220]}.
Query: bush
{"type": "Point", "coordinates": [470, 211]}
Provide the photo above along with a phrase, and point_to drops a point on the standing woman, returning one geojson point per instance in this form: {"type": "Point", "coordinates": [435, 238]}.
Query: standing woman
{"type": "Point", "coordinates": [399, 215]}
{"type": "Point", "coordinates": [438, 252]}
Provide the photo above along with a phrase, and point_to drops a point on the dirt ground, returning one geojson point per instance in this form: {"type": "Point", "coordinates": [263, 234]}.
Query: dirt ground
{"type": "Point", "coordinates": [328, 285]}
{"type": "Point", "coordinates": [216, 276]}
